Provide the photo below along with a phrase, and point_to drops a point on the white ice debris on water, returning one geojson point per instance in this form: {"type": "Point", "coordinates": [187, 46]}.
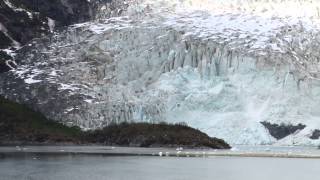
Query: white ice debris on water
{"type": "Point", "coordinates": [220, 66]}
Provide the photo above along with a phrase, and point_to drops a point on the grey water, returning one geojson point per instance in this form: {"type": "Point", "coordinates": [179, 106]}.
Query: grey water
{"type": "Point", "coordinates": [101, 167]}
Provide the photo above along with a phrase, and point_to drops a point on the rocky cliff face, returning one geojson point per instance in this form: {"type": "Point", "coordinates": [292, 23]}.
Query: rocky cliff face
{"type": "Point", "coordinates": [23, 20]}
{"type": "Point", "coordinates": [221, 67]}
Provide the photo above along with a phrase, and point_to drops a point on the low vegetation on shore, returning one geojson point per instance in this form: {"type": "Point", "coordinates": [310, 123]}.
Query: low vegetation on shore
{"type": "Point", "coordinates": [155, 135]}
{"type": "Point", "coordinates": [21, 125]}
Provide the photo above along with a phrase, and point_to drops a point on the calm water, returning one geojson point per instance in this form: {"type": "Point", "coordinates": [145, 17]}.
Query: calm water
{"type": "Point", "coordinates": [81, 167]}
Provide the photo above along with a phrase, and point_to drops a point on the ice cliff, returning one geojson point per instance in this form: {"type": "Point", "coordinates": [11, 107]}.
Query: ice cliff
{"type": "Point", "coordinates": [220, 66]}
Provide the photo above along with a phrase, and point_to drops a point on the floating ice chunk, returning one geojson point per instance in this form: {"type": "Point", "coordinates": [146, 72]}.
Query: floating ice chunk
{"type": "Point", "coordinates": [160, 154]}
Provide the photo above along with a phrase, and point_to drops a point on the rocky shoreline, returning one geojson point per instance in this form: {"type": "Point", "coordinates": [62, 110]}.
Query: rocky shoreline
{"type": "Point", "coordinates": [238, 151]}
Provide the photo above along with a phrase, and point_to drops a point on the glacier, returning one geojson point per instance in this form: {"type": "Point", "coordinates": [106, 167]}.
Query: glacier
{"type": "Point", "coordinates": [220, 66]}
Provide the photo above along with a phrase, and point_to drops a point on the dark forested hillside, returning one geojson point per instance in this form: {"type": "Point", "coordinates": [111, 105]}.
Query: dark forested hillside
{"type": "Point", "coordinates": [21, 125]}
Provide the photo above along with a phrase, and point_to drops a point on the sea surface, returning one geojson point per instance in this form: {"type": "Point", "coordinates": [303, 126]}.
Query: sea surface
{"type": "Point", "coordinates": [33, 166]}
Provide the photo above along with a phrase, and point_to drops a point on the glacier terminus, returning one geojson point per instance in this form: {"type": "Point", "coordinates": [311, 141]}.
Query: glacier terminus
{"type": "Point", "coordinates": [224, 67]}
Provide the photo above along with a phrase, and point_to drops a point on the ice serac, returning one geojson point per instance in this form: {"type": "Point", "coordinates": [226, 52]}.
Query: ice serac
{"type": "Point", "coordinates": [220, 66]}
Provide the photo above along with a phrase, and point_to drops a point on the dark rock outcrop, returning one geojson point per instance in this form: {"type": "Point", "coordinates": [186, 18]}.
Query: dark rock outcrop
{"type": "Point", "coordinates": [4, 40]}
{"type": "Point", "coordinates": [31, 20]}
{"type": "Point", "coordinates": [315, 134]}
{"type": "Point", "coordinates": [23, 20]}
{"type": "Point", "coordinates": [64, 12]}
{"type": "Point", "coordinates": [3, 58]}
{"type": "Point", "coordinates": [280, 131]}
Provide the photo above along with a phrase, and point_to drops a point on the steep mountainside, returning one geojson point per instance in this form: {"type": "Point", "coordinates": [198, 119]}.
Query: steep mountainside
{"type": "Point", "coordinates": [238, 70]}
{"type": "Point", "coordinates": [23, 20]}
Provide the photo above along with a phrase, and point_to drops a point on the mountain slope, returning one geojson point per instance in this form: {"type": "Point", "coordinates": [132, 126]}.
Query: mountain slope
{"type": "Point", "coordinates": [23, 20]}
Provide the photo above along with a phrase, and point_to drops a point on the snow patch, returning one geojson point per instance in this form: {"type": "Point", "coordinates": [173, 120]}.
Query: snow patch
{"type": "Point", "coordinates": [51, 24]}
{"type": "Point", "coordinates": [10, 5]}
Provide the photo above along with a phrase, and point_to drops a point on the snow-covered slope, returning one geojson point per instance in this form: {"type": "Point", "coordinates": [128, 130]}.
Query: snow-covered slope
{"type": "Point", "coordinates": [220, 66]}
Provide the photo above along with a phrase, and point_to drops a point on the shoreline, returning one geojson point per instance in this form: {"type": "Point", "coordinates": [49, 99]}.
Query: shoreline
{"type": "Point", "coordinates": [14, 151]}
